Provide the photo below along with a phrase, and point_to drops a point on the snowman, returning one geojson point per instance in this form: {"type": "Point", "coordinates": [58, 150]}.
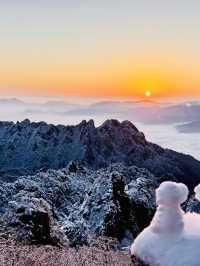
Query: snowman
{"type": "Point", "coordinates": [168, 219]}
{"type": "Point", "coordinates": [167, 227]}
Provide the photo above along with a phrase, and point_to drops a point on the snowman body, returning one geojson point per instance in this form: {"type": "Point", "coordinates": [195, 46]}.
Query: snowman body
{"type": "Point", "coordinates": [167, 227]}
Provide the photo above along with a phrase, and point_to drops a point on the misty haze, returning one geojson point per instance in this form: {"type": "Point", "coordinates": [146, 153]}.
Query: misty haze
{"type": "Point", "coordinates": [164, 123]}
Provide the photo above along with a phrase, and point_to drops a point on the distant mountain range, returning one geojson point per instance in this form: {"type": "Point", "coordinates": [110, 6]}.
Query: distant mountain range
{"type": "Point", "coordinates": [192, 127]}
{"type": "Point", "coordinates": [53, 106]}
{"type": "Point", "coordinates": [146, 110]}
{"type": "Point", "coordinates": [12, 101]}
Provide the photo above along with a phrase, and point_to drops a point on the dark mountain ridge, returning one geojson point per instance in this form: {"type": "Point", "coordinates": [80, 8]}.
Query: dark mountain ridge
{"type": "Point", "coordinates": [26, 148]}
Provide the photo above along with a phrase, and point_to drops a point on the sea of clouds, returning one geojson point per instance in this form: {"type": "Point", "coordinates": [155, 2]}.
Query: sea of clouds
{"type": "Point", "coordinates": [157, 120]}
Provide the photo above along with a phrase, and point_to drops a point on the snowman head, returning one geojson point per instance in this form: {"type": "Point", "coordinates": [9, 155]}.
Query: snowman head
{"type": "Point", "coordinates": [197, 192]}
{"type": "Point", "coordinates": [171, 194]}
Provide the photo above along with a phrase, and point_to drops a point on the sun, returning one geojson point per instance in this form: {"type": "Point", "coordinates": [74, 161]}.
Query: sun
{"type": "Point", "coordinates": [148, 93]}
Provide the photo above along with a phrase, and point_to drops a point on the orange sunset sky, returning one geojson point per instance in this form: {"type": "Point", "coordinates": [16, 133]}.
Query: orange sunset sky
{"type": "Point", "coordinates": [100, 48]}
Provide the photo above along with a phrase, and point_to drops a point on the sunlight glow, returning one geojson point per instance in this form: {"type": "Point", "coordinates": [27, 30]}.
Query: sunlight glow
{"type": "Point", "coordinates": [148, 93]}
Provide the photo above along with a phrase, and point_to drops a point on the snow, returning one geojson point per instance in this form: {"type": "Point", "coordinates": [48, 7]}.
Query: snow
{"type": "Point", "coordinates": [173, 237]}
{"type": "Point", "coordinates": [197, 192]}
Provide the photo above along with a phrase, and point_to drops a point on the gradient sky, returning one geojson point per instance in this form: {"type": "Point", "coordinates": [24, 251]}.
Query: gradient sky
{"type": "Point", "coordinates": [100, 47]}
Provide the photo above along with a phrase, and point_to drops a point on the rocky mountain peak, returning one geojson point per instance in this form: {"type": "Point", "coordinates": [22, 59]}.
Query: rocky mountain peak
{"type": "Point", "coordinates": [26, 147]}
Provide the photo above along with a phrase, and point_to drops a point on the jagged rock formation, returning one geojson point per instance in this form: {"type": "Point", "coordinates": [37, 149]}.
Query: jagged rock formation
{"type": "Point", "coordinates": [117, 202]}
{"type": "Point", "coordinates": [31, 218]}
{"type": "Point", "coordinates": [26, 147]}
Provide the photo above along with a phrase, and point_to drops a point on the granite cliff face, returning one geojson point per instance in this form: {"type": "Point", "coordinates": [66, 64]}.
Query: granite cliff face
{"type": "Point", "coordinates": [26, 148]}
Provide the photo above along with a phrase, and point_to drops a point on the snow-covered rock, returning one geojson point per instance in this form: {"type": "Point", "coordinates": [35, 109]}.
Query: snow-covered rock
{"type": "Point", "coordinates": [197, 192]}
{"type": "Point", "coordinates": [26, 148]}
{"type": "Point", "coordinates": [117, 201]}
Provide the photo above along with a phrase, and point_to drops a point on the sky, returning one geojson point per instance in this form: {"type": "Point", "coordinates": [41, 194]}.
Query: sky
{"type": "Point", "coordinates": [100, 48]}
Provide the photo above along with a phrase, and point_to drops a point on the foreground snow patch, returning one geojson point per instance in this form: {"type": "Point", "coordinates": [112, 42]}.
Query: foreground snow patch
{"type": "Point", "coordinates": [173, 237]}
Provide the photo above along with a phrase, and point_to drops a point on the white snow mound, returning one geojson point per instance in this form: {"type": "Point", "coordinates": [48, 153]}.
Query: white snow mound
{"type": "Point", "coordinates": [173, 237]}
